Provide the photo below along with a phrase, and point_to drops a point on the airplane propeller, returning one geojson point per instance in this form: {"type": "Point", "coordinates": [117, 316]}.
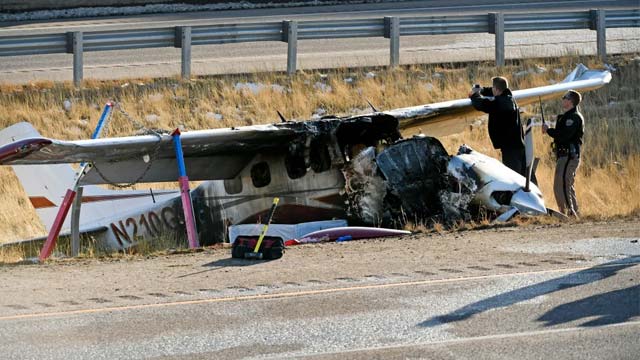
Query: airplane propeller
{"type": "Point", "coordinates": [528, 152]}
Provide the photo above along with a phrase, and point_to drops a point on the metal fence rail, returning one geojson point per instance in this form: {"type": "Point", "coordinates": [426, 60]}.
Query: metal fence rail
{"type": "Point", "coordinates": [623, 18]}
{"type": "Point", "coordinates": [128, 39]}
{"type": "Point", "coordinates": [291, 31]}
{"type": "Point", "coordinates": [340, 29]}
{"type": "Point", "coordinates": [33, 45]}
{"type": "Point", "coordinates": [232, 33]}
{"type": "Point", "coordinates": [444, 25]}
{"type": "Point", "coordinates": [546, 21]}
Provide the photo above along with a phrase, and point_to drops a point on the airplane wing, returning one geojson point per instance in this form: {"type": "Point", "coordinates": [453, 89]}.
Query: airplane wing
{"type": "Point", "coordinates": [222, 153]}
{"type": "Point", "coordinates": [209, 154]}
{"type": "Point", "coordinates": [450, 117]}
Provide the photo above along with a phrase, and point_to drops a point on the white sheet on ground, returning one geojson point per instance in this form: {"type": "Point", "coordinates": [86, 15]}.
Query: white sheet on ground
{"type": "Point", "coordinates": [284, 231]}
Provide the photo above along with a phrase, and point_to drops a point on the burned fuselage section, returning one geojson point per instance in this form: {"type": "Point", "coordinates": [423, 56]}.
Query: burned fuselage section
{"type": "Point", "coordinates": [398, 183]}
{"type": "Point", "coordinates": [390, 181]}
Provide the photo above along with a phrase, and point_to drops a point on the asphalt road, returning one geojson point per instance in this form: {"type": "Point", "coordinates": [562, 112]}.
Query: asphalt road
{"type": "Point", "coordinates": [562, 313]}
{"type": "Point", "coordinates": [312, 54]}
{"type": "Point", "coordinates": [538, 292]}
{"type": "Point", "coordinates": [352, 11]}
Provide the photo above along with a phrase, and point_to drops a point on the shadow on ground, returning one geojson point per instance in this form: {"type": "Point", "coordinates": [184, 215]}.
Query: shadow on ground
{"type": "Point", "coordinates": [607, 308]}
{"type": "Point", "coordinates": [224, 263]}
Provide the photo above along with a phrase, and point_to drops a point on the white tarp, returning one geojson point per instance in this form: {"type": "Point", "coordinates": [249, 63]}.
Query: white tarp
{"type": "Point", "coordinates": [285, 232]}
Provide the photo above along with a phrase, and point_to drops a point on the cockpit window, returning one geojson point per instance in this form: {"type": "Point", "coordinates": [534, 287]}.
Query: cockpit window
{"type": "Point", "coordinates": [294, 163]}
{"type": "Point", "coordinates": [319, 156]}
{"type": "Point", "coordinates": [260, 174]}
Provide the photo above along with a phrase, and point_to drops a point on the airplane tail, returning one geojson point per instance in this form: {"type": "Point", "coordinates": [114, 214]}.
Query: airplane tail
{"type": "Point", "coordinates": [47, 184]}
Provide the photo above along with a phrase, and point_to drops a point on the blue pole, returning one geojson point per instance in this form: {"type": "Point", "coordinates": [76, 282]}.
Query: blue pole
{"type": "Point", "coordinates": [183, 180]}
{"type": "Point", "coordinates": [177, 144]}
{"type": "Point", "coordinates": [101, 122]}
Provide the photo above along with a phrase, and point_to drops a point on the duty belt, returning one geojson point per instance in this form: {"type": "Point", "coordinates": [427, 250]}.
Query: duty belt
{"type": "Point", "coordinates": [566, 150]}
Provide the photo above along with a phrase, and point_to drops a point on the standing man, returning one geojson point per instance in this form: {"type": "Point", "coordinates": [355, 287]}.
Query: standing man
{"type": "Point", "coordinates": [567, 139]}
{"type": "Point", "coordinates": [505, 128]}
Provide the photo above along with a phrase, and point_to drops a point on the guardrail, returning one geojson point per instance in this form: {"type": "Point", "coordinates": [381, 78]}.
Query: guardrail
{"type": "Point", "coordinates": [289, 31]}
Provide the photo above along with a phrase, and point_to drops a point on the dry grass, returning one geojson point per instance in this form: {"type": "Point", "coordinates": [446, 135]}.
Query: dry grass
{"type": "Point", "coordinates": [607, 181]}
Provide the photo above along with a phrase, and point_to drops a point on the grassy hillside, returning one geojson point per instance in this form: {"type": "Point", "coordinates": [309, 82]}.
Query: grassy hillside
{"type": "Point", "coordinates": [607, 183]}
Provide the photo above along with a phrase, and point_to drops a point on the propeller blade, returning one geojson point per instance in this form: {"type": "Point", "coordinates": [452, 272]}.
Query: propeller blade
{"type": "Point", "coordinates": [528, 151]}
{"type": "Point", "coordinates": [507, 215]}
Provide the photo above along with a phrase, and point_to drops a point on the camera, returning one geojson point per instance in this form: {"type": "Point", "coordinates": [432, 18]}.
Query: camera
{"type": "Point", "coordinates": [476, 86]}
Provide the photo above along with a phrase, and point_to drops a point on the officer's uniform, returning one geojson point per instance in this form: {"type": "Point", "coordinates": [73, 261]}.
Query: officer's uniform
{"type": "Point", "coordinates": [567, 137]}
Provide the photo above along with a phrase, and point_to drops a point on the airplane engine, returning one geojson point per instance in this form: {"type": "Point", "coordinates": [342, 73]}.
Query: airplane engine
{"type": "Point", "coordinates": [493, 185]}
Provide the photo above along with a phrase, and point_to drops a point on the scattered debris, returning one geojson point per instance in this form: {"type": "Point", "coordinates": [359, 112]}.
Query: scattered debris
{"type": "Point", "coordinates": [213, 116]}
{"type": "Point", "coordinates": [322, 87]}
{"type": "Point", "coordinates": [257, 88]}
{"type": "Point", "coordinates": [354, 233]}
{"type": "Point", "coordinates": [540, 69]}
{"type": "Point", "coordinates": [153, 118]}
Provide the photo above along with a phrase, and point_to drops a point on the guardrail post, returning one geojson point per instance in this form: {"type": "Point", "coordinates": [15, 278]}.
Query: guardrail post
{"type": "Point", "coordinates": [496, 26]}
{"type": "Point", "coordinates": [290, 36]}
{"type": "Point", "coordinates": [74, 46]}
{"type": "Point", "coordinates": [183, 41]}
{"type": "Point", "coordinates": [599, 24]}
{"type": "Point", "coordinates": [392, 32]}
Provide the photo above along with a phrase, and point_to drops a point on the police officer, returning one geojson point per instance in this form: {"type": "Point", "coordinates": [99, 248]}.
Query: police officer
{"type": "Point", "coordinates": [505, 128]}
{"type": "Point", "coordinates": [567, 139]}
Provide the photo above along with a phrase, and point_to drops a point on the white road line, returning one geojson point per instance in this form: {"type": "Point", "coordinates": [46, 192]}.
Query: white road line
{"type": "Point", "coordinates": [308, 292]}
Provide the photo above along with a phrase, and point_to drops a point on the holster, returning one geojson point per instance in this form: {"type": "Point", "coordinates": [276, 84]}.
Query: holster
{"type": "Point", "coordinates": [562, 151]}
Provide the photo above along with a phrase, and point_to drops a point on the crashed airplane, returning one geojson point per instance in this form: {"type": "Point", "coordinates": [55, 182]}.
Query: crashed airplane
{"type": "Point", "coordinates": [356, 167]}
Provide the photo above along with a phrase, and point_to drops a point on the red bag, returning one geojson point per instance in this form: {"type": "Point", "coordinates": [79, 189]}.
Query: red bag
{"type": "Point", "coordinates": [272, 247]}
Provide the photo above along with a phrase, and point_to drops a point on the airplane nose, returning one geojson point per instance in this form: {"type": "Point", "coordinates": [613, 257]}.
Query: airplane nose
{"type": "Point", "coordinates": [529, 203]}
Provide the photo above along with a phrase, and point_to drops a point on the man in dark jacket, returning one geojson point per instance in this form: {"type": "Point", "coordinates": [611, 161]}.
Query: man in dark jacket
{"type": "Point", "coordinates": [567, 139]}
{"type": "Point", "coordinates": [505, 128]}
